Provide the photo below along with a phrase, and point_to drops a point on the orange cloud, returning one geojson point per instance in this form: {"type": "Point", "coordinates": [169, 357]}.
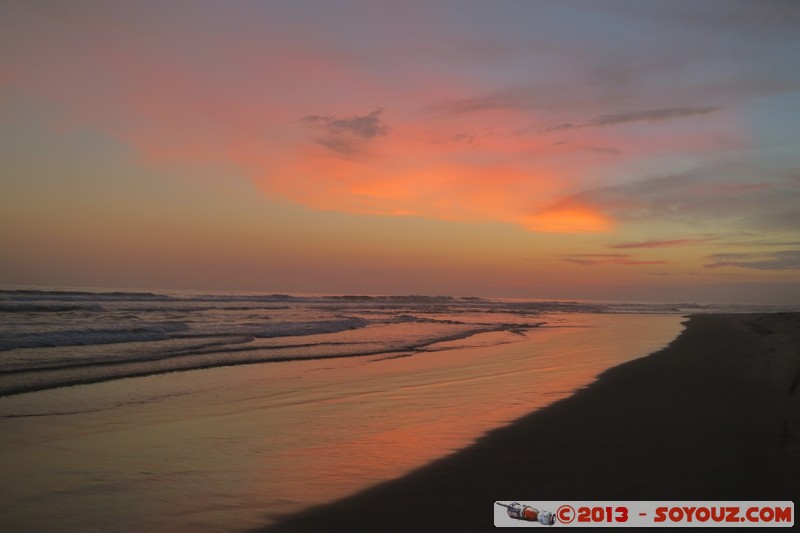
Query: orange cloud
{"type": "Point", "coordinates": [400, 168]}
{"type": "Point", "coordinates": [569, 219]}
{"type": "Point", "coordinates": [391, 186]}
{"type": "Point", "coordinates": [319, 125]}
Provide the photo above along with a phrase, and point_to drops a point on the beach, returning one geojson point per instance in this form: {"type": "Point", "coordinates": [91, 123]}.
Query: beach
{"type": "Point", "coordinates": [714, 416]}
{"type": "Point", "coordinates": [422, 439]}
{"type": "Point", "coordinates": [372, 266]}
{"type": "Point", "coordinates": [238, 446]}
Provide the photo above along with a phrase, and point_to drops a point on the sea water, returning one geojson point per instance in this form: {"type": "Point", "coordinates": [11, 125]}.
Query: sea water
{"type": "Point", "coordinates": [123, 411]}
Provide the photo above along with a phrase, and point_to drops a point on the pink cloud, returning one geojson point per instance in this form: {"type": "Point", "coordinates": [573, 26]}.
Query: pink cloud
{"type": "Point", "coordinates": [300, 118]}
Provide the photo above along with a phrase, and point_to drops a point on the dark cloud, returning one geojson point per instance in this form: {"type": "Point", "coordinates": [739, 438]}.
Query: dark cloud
{"type": "Point", "coordinates": [514, 98]}
{"type": "Point", "coordinates": [341, 145]}
{"type": "Point", "coordinates": [645, 115]}
{"type": "Point", "coordinates": [781, 219]}
{"type": "Point", "coordinates": [347, 135]}
{"type": "Point", "coordinates": [364, 126]}
{"type": "Point", "coordinates": [763, 243]}
{"type": "Point", "coordinates": [650, 115]}
{"type": "Point", "coordinates": [736, 196]}
{"type": "Point", "coordinates": [467, 138]}
{"type": "Point", "coordinates": [605, 151]}
{"type": "Point", "coordinates": [607, 259]}
{"type": "Point", "coordinates": [765, 18]}
{"type": "Point", "coordinates": [781, 260]}
{"type": "Point", "coordinates": [673, 274]}
{"type": "Point", "coordinates": [658, 244]}
{"type": "Point", "coordinates": [563, 126]}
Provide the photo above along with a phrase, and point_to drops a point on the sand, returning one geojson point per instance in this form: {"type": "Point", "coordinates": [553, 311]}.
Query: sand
{"type": "Point", "coordinates": [714, 416]}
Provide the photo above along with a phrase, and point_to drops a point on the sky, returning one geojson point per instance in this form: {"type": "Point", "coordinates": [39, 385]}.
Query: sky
{"type": "Point", "coordinates": [589, 149]}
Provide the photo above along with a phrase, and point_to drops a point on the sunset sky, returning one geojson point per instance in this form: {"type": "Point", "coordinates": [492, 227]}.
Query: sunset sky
{"type": "Point", "coordinates": [603, 149]}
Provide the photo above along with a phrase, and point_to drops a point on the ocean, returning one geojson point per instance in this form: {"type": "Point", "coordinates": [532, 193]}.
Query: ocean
{"type": "Point", "coordinates": [57, 338]}
{"type": "Point", "coordinates": [182, 411]}
{"type": "Point", "coordinates": [52, 338]}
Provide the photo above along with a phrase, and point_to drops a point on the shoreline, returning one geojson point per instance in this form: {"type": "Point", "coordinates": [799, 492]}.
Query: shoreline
{"type": "Point", "coordinates": [713, 416]}
{"type": "Point", "coordinates": [238, 447]}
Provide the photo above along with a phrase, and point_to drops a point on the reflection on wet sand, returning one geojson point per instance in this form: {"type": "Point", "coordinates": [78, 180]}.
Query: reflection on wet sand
{"type": "Point", "coordinates": [231, 448]}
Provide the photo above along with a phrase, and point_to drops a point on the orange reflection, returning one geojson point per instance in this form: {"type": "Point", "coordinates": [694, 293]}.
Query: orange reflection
{"type": "Point", "coordinates": [356, 424]}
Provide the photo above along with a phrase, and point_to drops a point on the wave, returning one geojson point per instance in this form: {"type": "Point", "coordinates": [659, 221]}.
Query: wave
{"type": "Point", "coordinates": [412, 298]}
{"type": "Point", "coordinates": [71, 295]}
{"type": "Point", "coordinates": [35, 379]}
{"type": "Point", "coordinates": [91, 336]}
{"type": "Point", "coordinates": [31, 294]}
{"type": "Point", "coordinates": [217, 343]}
{"type": "Point", "coordinates": [158, 331]}
{"type": "Point", "coordinates": [48, 308]}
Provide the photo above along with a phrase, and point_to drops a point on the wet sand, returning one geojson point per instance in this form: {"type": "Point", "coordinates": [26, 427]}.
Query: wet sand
{"type": "Point", "coordinates": [232, 448]}
{"type": "Point", "coordinates": [714, 416]}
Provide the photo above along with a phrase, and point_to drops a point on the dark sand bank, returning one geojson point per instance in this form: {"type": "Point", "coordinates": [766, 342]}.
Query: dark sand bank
{"type": "Point", "coordinates": [714, 416]}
